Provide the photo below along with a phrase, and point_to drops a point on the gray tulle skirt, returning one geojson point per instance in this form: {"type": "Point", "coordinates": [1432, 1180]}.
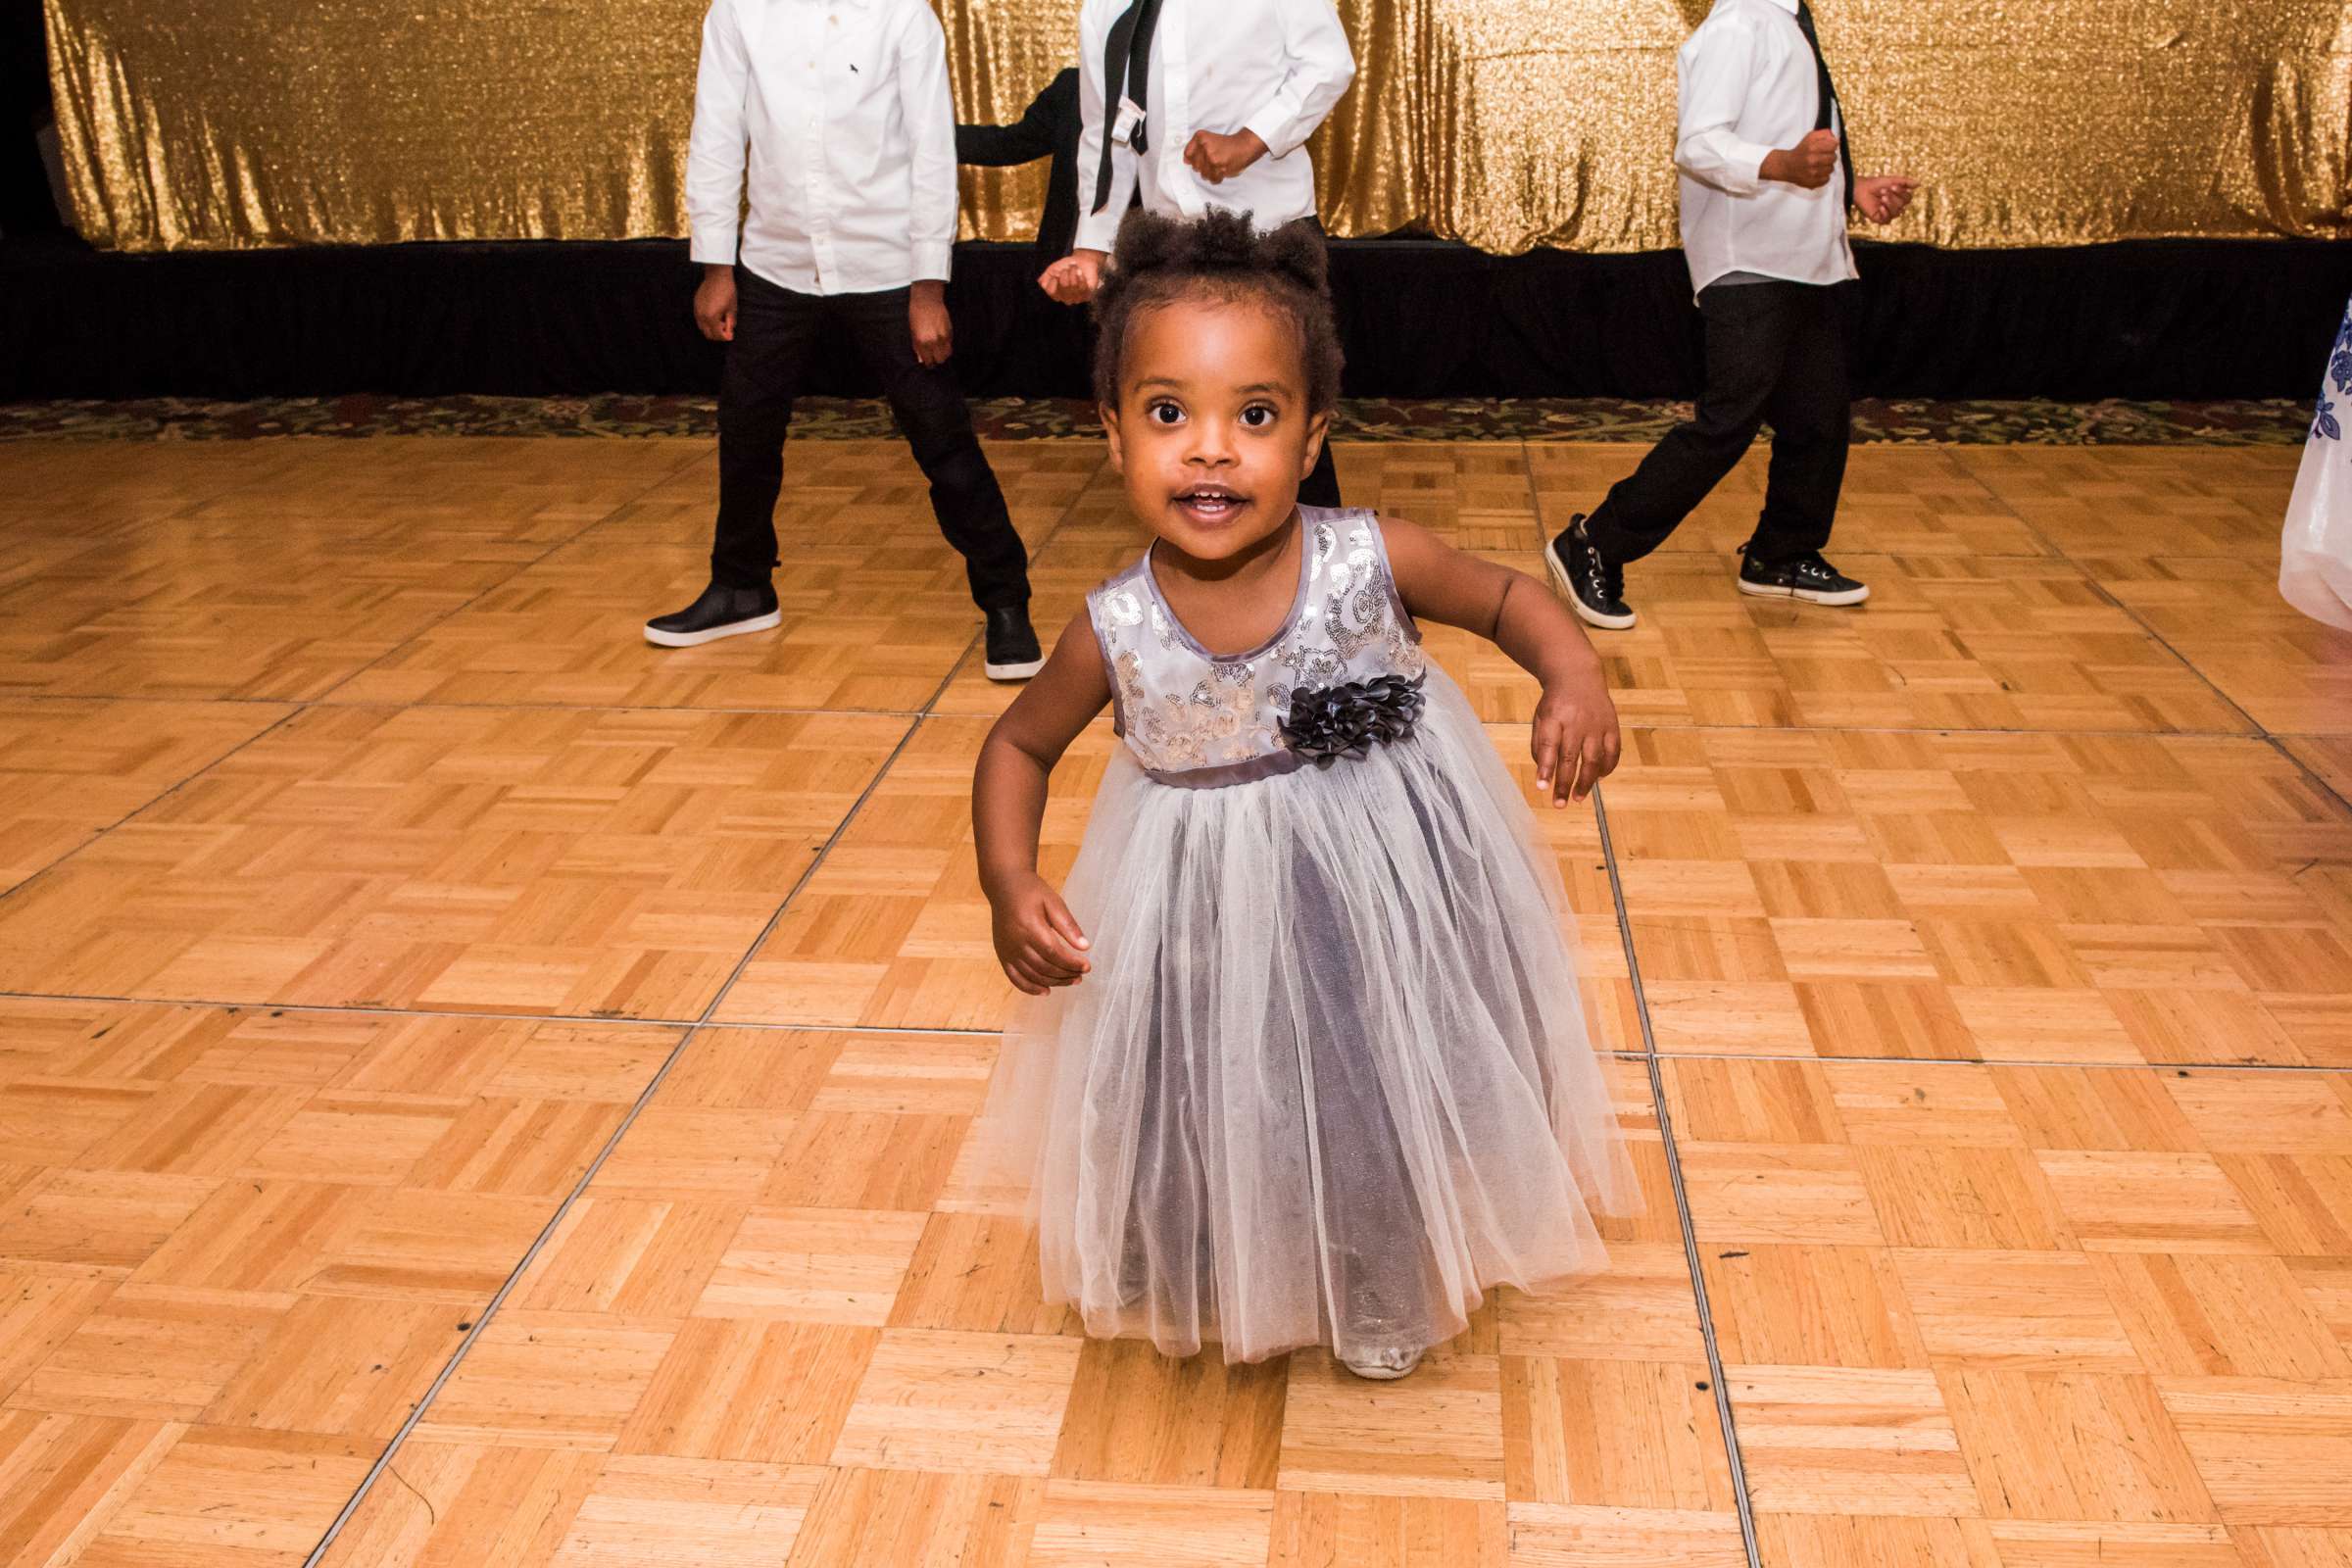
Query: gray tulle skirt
{"type": "Point", "coordinates": [1329, 1080]}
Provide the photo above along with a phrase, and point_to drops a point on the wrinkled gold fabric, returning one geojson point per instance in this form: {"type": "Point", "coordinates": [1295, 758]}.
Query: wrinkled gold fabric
{"type": "Point", "coordinates": [1508, 124]}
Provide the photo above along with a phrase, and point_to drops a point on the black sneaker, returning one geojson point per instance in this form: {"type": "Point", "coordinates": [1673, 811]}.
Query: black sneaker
{"type": "Point", "coordinates": [721, 612]}
{"type": "Point", "coordinates": [1012, 651]}
{"type": "Point", "coordinates": [1806, 578]}
{"type": "Point", "coordinates": [1594, 583]}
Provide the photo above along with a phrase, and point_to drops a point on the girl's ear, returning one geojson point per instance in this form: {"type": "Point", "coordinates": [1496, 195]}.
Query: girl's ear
{"type": "Point", "coordinates": [1110, 428]}
{"type": "Point", "coordinates": [1319, 429]}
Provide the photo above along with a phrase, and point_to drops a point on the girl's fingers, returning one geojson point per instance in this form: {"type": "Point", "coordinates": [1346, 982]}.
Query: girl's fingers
{"type": "Point", "coordinates": [1064, 926]}
{"type": "Point", "coordinates": [1546, 744]}
{"type": "Point", "coordinates": [1588, 766]}
{"type": "Point", "coordinates": [1045, 960]}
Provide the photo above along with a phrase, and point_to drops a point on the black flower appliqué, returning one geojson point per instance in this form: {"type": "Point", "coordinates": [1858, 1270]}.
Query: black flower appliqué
{"type": "Point", "coordinates": [1329, 722]}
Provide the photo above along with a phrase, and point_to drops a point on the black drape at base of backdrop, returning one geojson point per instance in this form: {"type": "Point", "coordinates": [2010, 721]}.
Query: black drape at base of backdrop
{"type": "Point", "coordinates": [2150, 319]}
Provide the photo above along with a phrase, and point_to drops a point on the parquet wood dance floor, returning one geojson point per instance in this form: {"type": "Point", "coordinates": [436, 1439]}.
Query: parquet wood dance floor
{"type": "Point", "coordinates": [475, 1088]}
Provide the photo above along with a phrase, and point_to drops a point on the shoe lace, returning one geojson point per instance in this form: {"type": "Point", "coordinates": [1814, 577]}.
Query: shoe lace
{"type": "Point", "coordinates": [1607, 575]}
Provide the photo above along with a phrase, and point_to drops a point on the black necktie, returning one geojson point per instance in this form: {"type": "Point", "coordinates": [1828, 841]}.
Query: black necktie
{"type": "Point", "coordinates": [1126, 63]}
{"type": "Point", "coordinates": [1828, 97]}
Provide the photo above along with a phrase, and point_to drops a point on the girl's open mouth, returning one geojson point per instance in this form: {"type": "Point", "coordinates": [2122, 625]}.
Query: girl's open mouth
{"type": "Point", "coordinates": [1210, 503]}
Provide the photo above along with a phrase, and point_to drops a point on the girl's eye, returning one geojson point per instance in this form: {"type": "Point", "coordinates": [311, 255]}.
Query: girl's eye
{"type": "Point", "coordinates": [1164, 413]}
{"type": "Point", "coordinates": [1257, 416]}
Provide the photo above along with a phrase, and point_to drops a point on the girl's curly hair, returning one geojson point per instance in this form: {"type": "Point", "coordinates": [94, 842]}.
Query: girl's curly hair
{"type": "Point", "coordinates": [1161, 260]}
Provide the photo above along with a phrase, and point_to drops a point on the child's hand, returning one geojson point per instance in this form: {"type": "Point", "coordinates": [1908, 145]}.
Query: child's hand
{"type": "Point", "coordinates": [1576, 740]}
{"type": "Point", "coordinates": [714, 304]}
{"type": "Point", "coordinates": [1810, 163]}
{"type": "Point", "coordinates": [1038, 941]}
{"type": "Point", "coordinates": [1217, 158]}
{"type": "Point", "coordinates": [927, 319]}
{"type": "Point", "coordinates": [1883, 197]}
{"type": "Point", "coordinates": [1074, 278]}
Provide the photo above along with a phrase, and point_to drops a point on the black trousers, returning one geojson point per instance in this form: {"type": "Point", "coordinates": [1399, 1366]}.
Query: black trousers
{"type": "Point", "coordinates": [775, 330]}
{"type": "Point", "coordinates": [1775, 351]}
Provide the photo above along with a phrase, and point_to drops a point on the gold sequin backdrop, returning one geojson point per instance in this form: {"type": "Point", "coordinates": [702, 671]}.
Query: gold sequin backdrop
{"type": "Point", "coordinates": [1509, 123]}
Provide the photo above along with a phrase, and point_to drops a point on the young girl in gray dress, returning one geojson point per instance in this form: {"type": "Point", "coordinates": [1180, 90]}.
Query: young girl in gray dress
{"type": "Point", "coordinates": [1304, 1063]}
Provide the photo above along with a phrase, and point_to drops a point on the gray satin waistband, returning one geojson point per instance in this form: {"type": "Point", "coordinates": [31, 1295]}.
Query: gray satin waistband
{"type": "Point", "coordinates": [1271, 765]}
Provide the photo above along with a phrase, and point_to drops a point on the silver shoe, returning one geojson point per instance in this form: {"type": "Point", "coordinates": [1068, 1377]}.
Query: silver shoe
{"type": "Point", "coordinates": [1383, 1366]}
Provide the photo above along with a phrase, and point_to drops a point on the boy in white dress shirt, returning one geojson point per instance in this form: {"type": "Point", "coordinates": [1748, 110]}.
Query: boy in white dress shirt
{"type": "Point", "coordinates": [1767, 178]}
{"type": "Point", "coordinates": [1201, 104]}
{"type": "Point", "coordinates": [836, 116]}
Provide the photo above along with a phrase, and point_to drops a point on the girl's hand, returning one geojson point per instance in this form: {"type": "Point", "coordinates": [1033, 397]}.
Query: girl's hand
{"type": "Point", "coordinates": [1576, 740]}
{"type": "Point", "coordinates": [1038, 940]}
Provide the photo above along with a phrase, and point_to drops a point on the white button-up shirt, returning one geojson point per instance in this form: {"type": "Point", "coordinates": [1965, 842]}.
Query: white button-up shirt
{"type": "Point", "coordinates": [844, 108]}
{"type": "Point", "coordinates": [1274, 67]}
{"type": "Point", "coordinates": [1750, 86]}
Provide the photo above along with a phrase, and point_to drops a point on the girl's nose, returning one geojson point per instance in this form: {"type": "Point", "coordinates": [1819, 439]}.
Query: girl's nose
{"type": "Point", "coordinates": [1212, 443]}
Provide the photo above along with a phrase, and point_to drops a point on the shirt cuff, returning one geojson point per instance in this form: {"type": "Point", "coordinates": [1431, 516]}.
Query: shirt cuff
{"type": "Point", "coordinates": [1099, 231]}
{"type": "Point", "coordinates": [934, 262]}
{"type": "Point", "coordinates": [1743, 165]}
{"type": "Point", "coordinates": [714, 248]}
{"type": "Point", "coordinates": [1272, 127]}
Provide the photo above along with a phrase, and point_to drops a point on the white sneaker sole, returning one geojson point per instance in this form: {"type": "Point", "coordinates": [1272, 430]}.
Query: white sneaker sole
{"type": "Point", "coordinates": [1014, 671]}
{"type": "Point", "coordinates": [1810, 596]}
{"type": "Point", "coordinates": [1583, 611]}
{"type": "Point", "coordinates": [696, 639]}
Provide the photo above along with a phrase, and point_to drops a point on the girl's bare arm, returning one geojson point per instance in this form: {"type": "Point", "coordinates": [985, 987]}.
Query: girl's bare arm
{"type": "Point", "coordinates": [1576, 741]}
{"type": "Point", "coordinates": [1037, 941]}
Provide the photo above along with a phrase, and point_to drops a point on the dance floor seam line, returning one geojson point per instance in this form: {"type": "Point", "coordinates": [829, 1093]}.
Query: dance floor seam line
{"type": "Point", "coordinates": [293, 712]}
{"type": "Point", "coordinates": [1716, 1383]}
{"type": "Point", "coordinates": [384, 1464]}
{"type": "Point", "coordinates": [1721, 1390]}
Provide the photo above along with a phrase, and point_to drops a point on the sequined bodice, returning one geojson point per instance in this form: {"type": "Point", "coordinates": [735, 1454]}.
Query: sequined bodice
{"type": "Point", "coordinates": [1196, 719]}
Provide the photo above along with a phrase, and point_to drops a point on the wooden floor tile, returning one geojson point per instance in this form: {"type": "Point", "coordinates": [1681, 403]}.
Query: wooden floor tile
{"type": "Point", "coordinates": [1612, 1434]}
{"type": "Point", "coordinates": [1811, 1306]}
{"type": "Point", "coordinates": [1315, 1528]}
{"type": "Point", "coordinates": [2074, 1445]}
{"type": "Point", "coordinates": [550, 1381]}
{"type": "Point", "coordinates": [814, 1265]}
{"type": "Point", "coordinates": [2270, 1452]}
{"type": "Point", "coordinates": [613, 863]}
{"type": "Point", "coordinates": [1083, 1523]}
{"type": "Point", "coordinates": [922, 1519]}
{"type": "Point", "coordinates": [936, 1400]}
{"type": "Point", "coordinates": [67, 1477]}
{"type": "Point", "coordinates": [1436, 1434]}
{"type": "Point", "coordinates": [709, 1512]}
{"type": "Point", "coordinates": [494, 1504]}
{"type": "Point", "coordinates": [1137, 1416]}
{"type": "Point", "coordinates": [1551, 1535]}
{"type": "Point", "coordinates": [1640, 1307]}
{"type": "Point", "coordinates": [770, 1392]}
{"type": "Point", "coordinates": [1849, 1441]}
{"type": "Point", "coordinates": [1834, 1540]}
{"type": "Point", "coordinates": [242, 1500]}
{"type": "Point", "coordinates": [2027, 1310]}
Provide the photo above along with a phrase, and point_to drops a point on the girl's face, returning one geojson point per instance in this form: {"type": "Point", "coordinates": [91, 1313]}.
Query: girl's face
{"type": "Point", "coordinates": [1213, 431]}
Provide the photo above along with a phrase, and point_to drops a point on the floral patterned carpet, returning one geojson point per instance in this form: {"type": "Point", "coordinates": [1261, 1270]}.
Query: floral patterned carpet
{"type": "Point", "coordinates": [2269, 422]}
